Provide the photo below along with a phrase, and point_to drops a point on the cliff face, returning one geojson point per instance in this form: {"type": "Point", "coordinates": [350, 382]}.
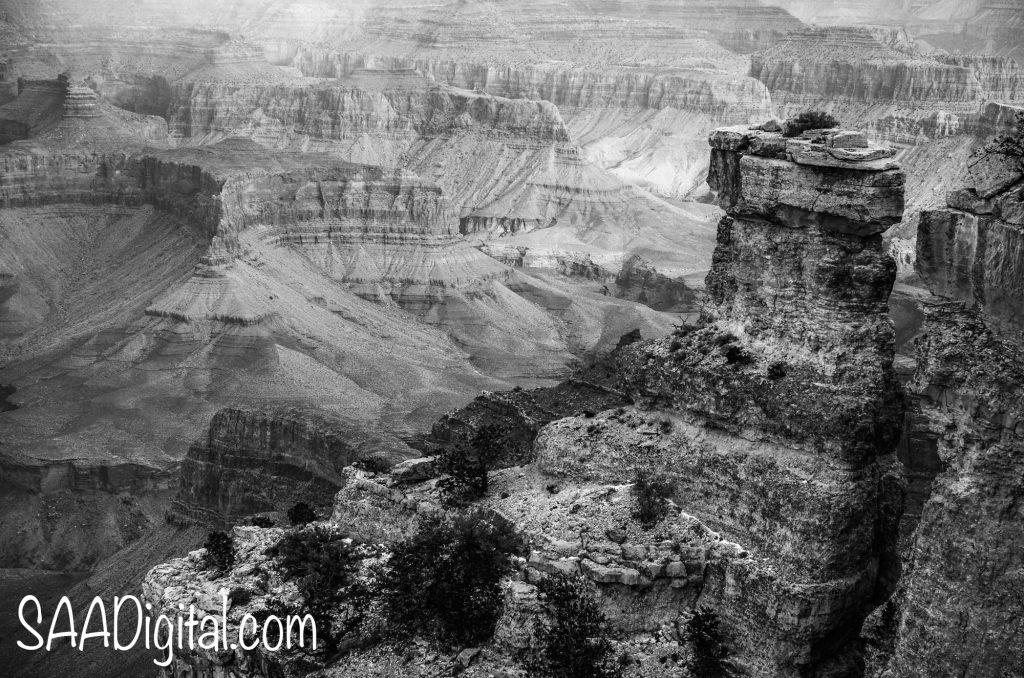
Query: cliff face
{"type": "Point", "coordinates": [846, 63]}
{"type": "Point", "coordinates": [507, 166]}
{"type": "Point", "coordinates": [225, 192]}
{"type": "Point", "coordinates": [38, 106]}
{"type": "Point", "coordinates": [776, 443]}
{"type": "Point", "coordinates": [790, 379]}
{"type": "Point", "coordinates": [199, 109]}
{"type": "Point", "coordinates": [252, 461]}
{"type": "Point", "coordinates": [522, 413]}
{"type": "Point", "coordinates": [957, 610]}
{"type": "Point", "coordinates": [971, 251]}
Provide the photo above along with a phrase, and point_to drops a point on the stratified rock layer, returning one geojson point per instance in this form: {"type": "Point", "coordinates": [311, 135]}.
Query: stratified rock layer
{"type": "Point", "coordinates": [252, 461]}
{"type": "Point", "coordinates": [973, 251]}
{"type": "Point", "coordinates": [787, 403]}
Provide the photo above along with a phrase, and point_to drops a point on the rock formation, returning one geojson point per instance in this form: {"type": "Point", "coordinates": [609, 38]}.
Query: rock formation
{"type": "Point", "coordinates": [38, 106]}
{"type": "Point", "coordinates": [957, 610]}
{"type": "Point", "coordinates": [522, 413]}
{"type": "Point", "coordinates": [787, 396]}
{"type": "Point", "coordinates": [971, 251]}
{"type": "Point", "coordinates": [257, 461]}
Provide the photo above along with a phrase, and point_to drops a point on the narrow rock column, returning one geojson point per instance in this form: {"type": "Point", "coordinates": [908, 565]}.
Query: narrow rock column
{"type": "Point", "coordinates": [789, 391]}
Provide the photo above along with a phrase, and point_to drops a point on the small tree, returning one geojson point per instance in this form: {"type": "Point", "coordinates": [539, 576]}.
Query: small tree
{"type": "Point", "coordinates": [325, 563]}
{"type": "Point", "coordinates": [708, 651]}
{"type": "Point", "coordinates": [651, 494]}
{"type": "Point", "coordinates": [809, 120]}
{"type": "Point", "coordinates": [220, 551]}
{"type": "Point", "coordinates": [444, 582]}
{"type": "Point", "coordinates": [466, 465]}
{"type": "Point", "coordinates": [301, 514]}
{"type": "Point", "coordinates": [572, 637]}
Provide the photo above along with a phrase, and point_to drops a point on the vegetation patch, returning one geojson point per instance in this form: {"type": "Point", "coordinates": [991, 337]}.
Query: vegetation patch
{"type": "Point", "coordinates": [808, 120]}
{"type": "Point", "coordinates": [572, 637]}
{"type": "Point", "coordinates": [443, 584]}
{"type": "Point", "coordinates": [466, 463]}
{"type": "Point", "coordinates": [301, 514]}
{"type": "Point", "coordinates": [651, 494]}
{"type": "Point", "coordinates": [220, 551]}
{"type": "Point", "coordinates": [325, 564]}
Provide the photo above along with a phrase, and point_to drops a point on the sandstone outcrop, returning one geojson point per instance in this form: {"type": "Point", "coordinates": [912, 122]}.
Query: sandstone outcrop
{"type": "Point", "coordinates": [788, 408]}
{"type": "Point", "coordinates": [253, 461]}
{"type": "Point", "coordinates": [638, 280]}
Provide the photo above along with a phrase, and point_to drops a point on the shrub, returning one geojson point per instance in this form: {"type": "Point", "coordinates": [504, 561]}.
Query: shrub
{"type": "Point", "coordinates": [325, 563]}
{"type": "Point", "coordinates": [776, 371]}
{"type": "Point", "coordinates": [708, 651]}
{"type": "Point", "coordinates": [572, 635]}
{"type": "Point", "coordinates": [301, 514]}
{"type": "Point", "coordinates": [373, 464]}
{"type": "Point", "coordinates": [466, 464]}
{"type": "Point", "coordinates": [651, 494]}
{"type": "Point", "coordinates": [443, 582]}
{"type": "Point", "coordinates": [220, 551]}
{"type": "Point", "coordinates": [809, 120]}
{"type": "Point", "coordinates": [261, 521]}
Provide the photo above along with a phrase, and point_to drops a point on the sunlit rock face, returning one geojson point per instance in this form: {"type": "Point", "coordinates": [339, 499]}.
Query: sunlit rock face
{"type": "Point", "coordinates": [789, 381]}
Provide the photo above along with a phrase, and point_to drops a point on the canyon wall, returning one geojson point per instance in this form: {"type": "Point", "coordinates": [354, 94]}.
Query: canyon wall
{"type": "Point", "coordinates": [39, 105]}
{"type": "Point", "coordinates": [221, 192]}
{"type": "Point", "coordinates": [253, 461]}
{"type": "Point", "coordinates": [957, 610]}
{"type": "Point", "coordinates": [973, 251]}
{"type": "Point", "coordinates": [843, 63]}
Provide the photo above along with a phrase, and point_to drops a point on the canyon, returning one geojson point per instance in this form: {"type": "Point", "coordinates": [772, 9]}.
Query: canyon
{"type": "Point", "coordinates": [263, 252]}
{"type": "Point", "coordinates": [738, 414]}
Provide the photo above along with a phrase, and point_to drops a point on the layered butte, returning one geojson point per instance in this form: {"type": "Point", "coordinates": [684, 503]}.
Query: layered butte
{"type": "Point", "coordinates": [789, 407]}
